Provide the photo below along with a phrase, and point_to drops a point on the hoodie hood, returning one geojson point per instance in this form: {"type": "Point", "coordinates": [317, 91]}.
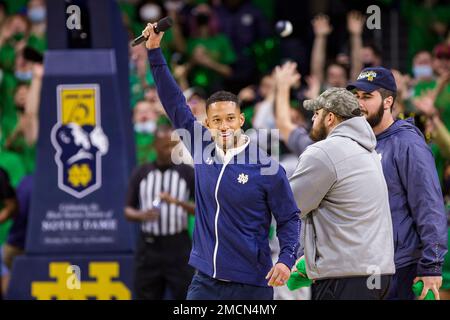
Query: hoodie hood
{"type": "Point", "coordinates": [357, 129]}
{"type": "Point", "coordinates": [400, 125]}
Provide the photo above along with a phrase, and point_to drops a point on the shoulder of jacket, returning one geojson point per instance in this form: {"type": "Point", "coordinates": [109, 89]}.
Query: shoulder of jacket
{"type": "Point", "coordinates": [320, 149]}
{"type": "Point", "coordinates": [408, 139]}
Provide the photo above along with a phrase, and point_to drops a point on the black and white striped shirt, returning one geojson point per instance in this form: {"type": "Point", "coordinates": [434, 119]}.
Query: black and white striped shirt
{"type": "Point", "coordinates": [148, 182]}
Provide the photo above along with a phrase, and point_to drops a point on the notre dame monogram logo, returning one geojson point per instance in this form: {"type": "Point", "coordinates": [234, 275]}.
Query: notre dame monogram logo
{"type": "Point", "coordinates": [68, 285]}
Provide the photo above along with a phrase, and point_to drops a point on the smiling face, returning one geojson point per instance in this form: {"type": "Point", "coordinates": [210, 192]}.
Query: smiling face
{"type": "Point", "coordinates": [224, 120]}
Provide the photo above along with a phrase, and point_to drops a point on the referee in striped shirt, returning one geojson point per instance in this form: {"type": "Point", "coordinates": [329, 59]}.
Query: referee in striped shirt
{"type": "Point", "coordinates": [164, 245]}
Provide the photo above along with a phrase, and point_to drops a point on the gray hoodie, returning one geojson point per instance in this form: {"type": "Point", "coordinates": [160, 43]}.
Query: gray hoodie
{"type": "Point", "coordinates": [340, 189]}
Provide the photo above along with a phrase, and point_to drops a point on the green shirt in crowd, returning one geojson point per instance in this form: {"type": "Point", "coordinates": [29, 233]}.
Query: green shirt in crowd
{"type": "Point", "coordinates": [144, 147]}
{"type": "Point", "coordinates": [442, 100]}
{"type": "Point", "coordinates": [220, 49]}
{"type": "Point", "coordinates": [443, 105]}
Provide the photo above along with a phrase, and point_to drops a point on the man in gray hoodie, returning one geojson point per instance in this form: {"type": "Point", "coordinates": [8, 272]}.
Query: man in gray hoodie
{"type": "Point", "coordinates": [342, 194]}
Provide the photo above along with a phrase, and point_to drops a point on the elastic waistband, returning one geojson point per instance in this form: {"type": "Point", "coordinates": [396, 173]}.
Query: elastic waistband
{"type": "Point", "coordinates": [150, 238]}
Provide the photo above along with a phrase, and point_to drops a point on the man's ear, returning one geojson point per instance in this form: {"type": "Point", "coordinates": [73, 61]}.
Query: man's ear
{"type": "Point", "coordinates": [241, 119]}
{"type": "Point", "coordinates": [331, 118]}
{"type": "Point", "coordinates": [387, 103]}
{"type": "Point", "coordinates": [206, 122]}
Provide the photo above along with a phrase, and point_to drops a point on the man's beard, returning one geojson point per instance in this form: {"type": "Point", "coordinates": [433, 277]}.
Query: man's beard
{"type": "Point", "coordinates": [375, 119]}
{"type": "Point", "coordinates": [319, 133]}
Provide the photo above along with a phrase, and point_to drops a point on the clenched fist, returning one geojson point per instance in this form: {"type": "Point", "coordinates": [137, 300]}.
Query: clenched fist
{"type": "Point", "coordinates": [153, 39]}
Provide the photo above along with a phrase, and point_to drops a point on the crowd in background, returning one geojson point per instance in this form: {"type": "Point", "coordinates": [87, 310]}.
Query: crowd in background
{"type": "Point", "coordinates": [232, 45]}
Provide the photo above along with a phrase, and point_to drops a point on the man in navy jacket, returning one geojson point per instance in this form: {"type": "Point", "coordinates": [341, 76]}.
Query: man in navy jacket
{"type": "Point", "coordinates": [237, 189]}
{"type": "Point", "coordinates": [415, 196]}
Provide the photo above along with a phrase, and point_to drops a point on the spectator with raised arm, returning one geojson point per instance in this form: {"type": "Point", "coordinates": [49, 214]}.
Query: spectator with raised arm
{"type": "Point", "coordinates": [210, 53]}
{"type": "Point", "coordinates": [295, 137]}
{"type": "Point", "coordinates": [335, 74]}
{"type": "Point", "coordinates": [355, 25]}
{"type": "Point", "coordinates": [441, 136]}
{"type": "Point", "coordinates": [441, 84]}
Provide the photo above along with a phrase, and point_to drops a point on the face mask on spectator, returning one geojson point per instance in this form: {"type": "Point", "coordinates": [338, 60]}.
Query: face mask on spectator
{"type": "Point", "coordinates": [132, 65]}
{"type": "Point", "coordinates": [18, 36]}
{"type": "Point", "coordinates": [422, 71]}
{"type": "Point", "coordinates": [20, 109]}
{"type": "Point", "coordinates": [368, 64]}
{"type": "Point", "coordinates": [150, 12]}
{"type": "Point", "coordinates": [202, 19]}
{"type": "Point", "coordinates": [37, 14]}
{"type": "Point", "coordinates": [145, 127]}
{"type": "Point", "coordinates": [24, 75]}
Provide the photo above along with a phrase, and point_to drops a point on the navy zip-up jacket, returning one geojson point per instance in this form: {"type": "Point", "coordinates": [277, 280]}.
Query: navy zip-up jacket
{"type": "Point", "coordinates": [233, 200]}
{"type": "Point", "coordinates": [415, 198]}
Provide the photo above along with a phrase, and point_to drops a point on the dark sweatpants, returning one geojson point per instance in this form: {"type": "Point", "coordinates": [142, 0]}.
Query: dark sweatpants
{"type": "Point", "coordinates": [162, 263]}
{"type": "Point", "coordinates": [203, 287]}
{"type": "Point", "coordinates": [354, 288]}
{"type": "Point", "coordinates": [402, 281]}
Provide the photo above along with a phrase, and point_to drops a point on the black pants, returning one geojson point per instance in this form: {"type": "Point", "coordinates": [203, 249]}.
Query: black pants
{"type": "Point", "coordinates": [203, 287]}
{"type": "Point", "coordinates": [160, 263]}
{"type": "Point", "coordinates": [354, 288]}
{"type": "Point", "coordinates": [402, 281]}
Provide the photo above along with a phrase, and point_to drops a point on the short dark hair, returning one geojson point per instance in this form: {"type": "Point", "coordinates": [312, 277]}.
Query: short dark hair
{"type": "Point", "coordinates": [387, 93]}
{"type": "Point", "coordinates": [222, 96]}
{"type": "Point", "coordinates": [340, 65]}
{"type": "Point", "coordinates": [163, 124]}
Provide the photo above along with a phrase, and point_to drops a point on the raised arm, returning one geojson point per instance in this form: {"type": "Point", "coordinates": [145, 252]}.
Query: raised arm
{"type": "Point", "coordinates": [202, 57]}
{"type": "Point", "coordinates": [355, 25]}
{"type": "Point", "coordinates": [322, 29]}
{"type": "Point", "coordinates": [425, 104]}
{"type": "Point", "coordinates": [296, 138]}
{"type": "Point", "coordinates": [31, 117]}
{"type": "Point", "coordinates": [170, 94]}
{"type": "Point", "coordinates": [286, 76]}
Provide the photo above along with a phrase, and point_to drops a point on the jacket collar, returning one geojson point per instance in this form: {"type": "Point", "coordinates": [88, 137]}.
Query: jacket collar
{"type": "Point", "coordinates": [226, 157]}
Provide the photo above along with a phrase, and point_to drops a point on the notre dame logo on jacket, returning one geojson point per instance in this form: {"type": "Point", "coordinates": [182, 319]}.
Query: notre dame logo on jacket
{"type": "Point", "coordinates": [79, 139]}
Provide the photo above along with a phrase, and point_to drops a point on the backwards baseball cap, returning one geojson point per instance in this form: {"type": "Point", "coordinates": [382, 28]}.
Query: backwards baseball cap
{"type": "Point", "coordinates": [337, 100]}
{"type": "Point", "coordinates": [371, 79]}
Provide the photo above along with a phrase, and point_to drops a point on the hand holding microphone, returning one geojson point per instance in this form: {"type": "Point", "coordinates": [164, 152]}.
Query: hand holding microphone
{"type": "Point", "coordinates": [153, 33]}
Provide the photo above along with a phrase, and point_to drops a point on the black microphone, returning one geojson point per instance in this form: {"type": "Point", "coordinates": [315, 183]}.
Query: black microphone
{"type": "Point", "coordinates": [161, 25]}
